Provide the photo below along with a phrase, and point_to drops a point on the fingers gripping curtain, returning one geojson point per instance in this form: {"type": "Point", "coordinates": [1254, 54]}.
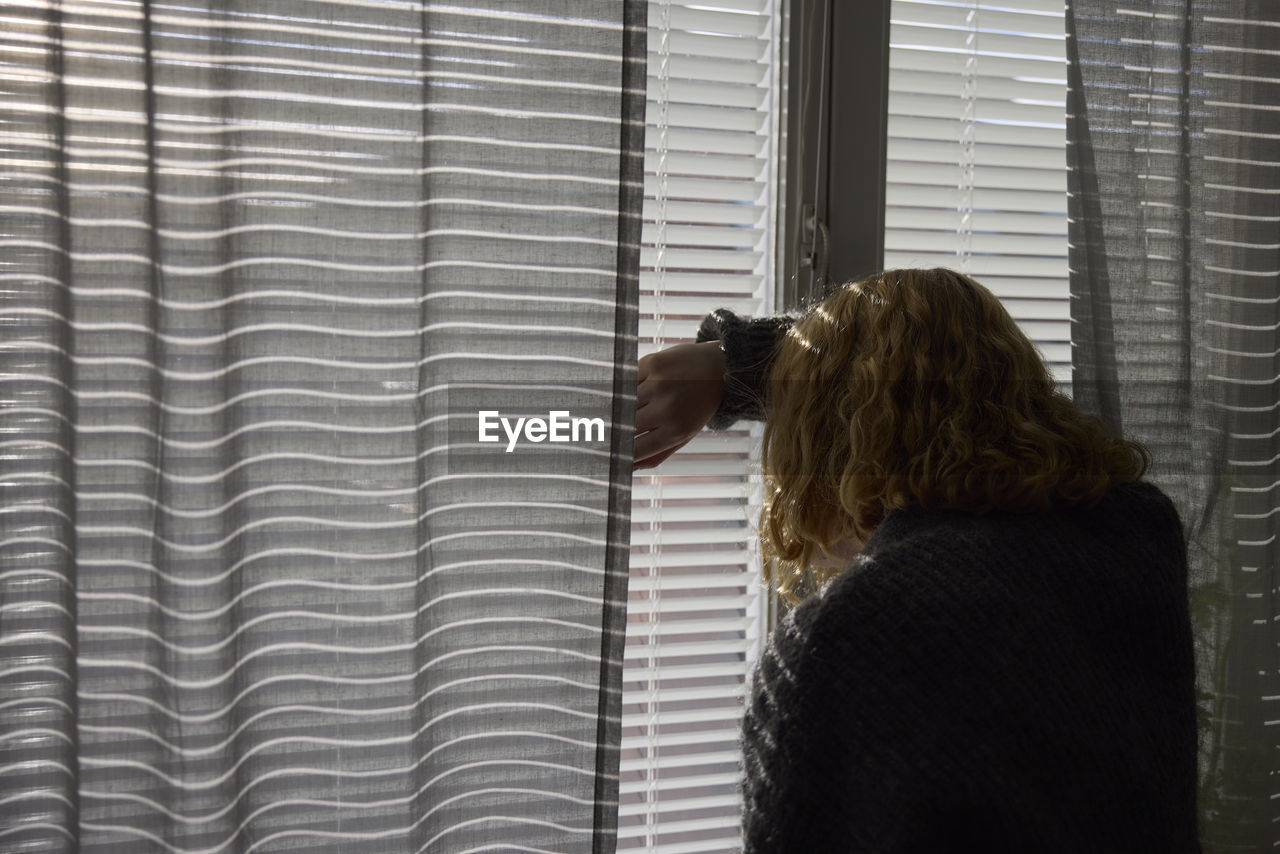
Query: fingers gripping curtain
{"type": "Point", "coordinates": [262, 587]}
{"type": "Point", "coordinates": [1173, 120]}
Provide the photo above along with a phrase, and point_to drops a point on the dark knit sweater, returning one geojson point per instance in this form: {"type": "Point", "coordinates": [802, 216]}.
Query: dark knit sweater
{"type": "Point", "coordinates": [996, 683]}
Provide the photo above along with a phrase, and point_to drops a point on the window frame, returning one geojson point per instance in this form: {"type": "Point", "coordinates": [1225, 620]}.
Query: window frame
{"type": "Point", "coordinates": [830, 95]}
{"type": "Point", "coordinates": [836, 93]}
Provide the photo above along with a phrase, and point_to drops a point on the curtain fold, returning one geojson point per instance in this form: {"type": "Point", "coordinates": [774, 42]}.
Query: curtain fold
{"type": "Point", "coordinates": [265, 584]}
{"type": "Point", "coordinates": [1174, 182]}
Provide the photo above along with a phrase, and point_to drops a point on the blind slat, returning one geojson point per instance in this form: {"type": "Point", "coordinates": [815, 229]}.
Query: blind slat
{"type": "Point", "coordinates": [684, 760]}
{"type": "Point", "coordinates": [728, 282]}
{"type": "Point", "coordinates": [710, 140]}
{"type": "Point", "coordinates": [950, 129]}
{"type": "Point", "coordinates": [1006, 223]}
{"type": "Point", "coordinates": [713, 46]}
{"type": "Point", "coordinates": [713, 213]}
{"type": "Point", "coordinates": [710, 117]}
{"type": "Point", "coordinates": [917, 37]}
{"type": "Point", "coordinates": [686, 604]}
{"type": "Point", "coordinates": [683, 649]}
{"type": "Point", "coordinates": [910, 240]}
{"type": "Point", "coordinates": [678, 490]}
{"type": "Point", "coordinates": [705, 189]}
{"type": "Point", "coordinates": [691, 781]}
{"type": "Point", "coordinates": [701, 259]}
{"type": "Point", "coordinates": [685, 558]}
{"type": "Point", "coordinates": [718, 236]}
{"type": "Point", "coordinates": [686, 695]}
{"type": "Point", "coordinates": [718, 70]}
{"type": "Point", "coordinates": [698, 513]}
{"type": "Point", "coordinates": [702, 737]}
{"type": "Point", "coordinates": [992, 67]}
{"type": "Point", "coordinates": [982, 266]}
{"type": "Point", "coordinates": [991, 87]}
{"type": "Point", "coordinates": [682, 804]}
{"type": "Point", "coordinates": [676, 537]}
{"type": "Point", "coordinates": [984, 198]}
{"type": "Point", "coordinates": [690, 582]}
{"type": "Point", "coordinates": [1031, 21]}
{"type": "Point", "coordinates": [985, 109]}
{"type": "Point", "coordinates": [707, 165]}
{"type": "Point", "coordinates": [678, 671]}
{"type": "Point", "coordinates": [703, 19]}
{"type": "Point", "coordinates": [713, 94]}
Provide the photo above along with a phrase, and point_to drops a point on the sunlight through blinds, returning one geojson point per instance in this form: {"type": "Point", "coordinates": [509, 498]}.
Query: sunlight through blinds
{"type": "Point", "coordinates": [695, 604]}
{"type": "Point", "coordinates": [976, 172]}
{"type": "Point", "coordinates": [262, 585]}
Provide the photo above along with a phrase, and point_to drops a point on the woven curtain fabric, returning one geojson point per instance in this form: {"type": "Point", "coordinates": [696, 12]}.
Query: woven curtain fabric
{"type": "Point", "coordinates": [1173, 130]}
{"type": "Point", "coordinates": [262, 585]}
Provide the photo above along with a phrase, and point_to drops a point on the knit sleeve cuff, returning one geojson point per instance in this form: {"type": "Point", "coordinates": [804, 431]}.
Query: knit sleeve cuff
{"type": "Point", "coordinates": [749, 345]}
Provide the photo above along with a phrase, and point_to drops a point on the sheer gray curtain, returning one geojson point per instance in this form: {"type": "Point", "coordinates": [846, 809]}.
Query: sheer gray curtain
{"type": "Point", "coordinates": [1174, 156]}
{"type": "Point", "coordinates": [262, 585]}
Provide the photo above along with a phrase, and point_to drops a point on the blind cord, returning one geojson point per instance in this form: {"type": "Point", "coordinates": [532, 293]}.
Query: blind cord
{"type": "Point", "coordinates": [968, 147]}
{"type": "Point", "coordinates": [655, 520]}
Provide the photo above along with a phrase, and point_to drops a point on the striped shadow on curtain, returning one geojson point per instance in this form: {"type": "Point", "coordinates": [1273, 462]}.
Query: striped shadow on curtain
{"type": "Point", "coordinates": [1173, 130]}
{"type": "Point", "coordinates": [262, 587]}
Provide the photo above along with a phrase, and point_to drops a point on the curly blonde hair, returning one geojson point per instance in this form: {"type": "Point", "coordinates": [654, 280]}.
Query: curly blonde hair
{"type": "Point", "coordinates": [916, 386]}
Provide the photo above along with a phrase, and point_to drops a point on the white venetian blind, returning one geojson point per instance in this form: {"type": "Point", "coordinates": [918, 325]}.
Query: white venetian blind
{"type": "Point", "coordinates": [976, 173]}
{"type": "Point", "coordinates": [695, 605]}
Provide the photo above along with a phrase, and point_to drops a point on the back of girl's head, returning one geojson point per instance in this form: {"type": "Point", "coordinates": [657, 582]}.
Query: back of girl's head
{"type": "Point", "coordinates": [917, 387]}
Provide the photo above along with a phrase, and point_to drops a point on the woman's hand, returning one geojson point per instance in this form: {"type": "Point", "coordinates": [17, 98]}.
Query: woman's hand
{"type": "Point", "coordinates": [678, 391]}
